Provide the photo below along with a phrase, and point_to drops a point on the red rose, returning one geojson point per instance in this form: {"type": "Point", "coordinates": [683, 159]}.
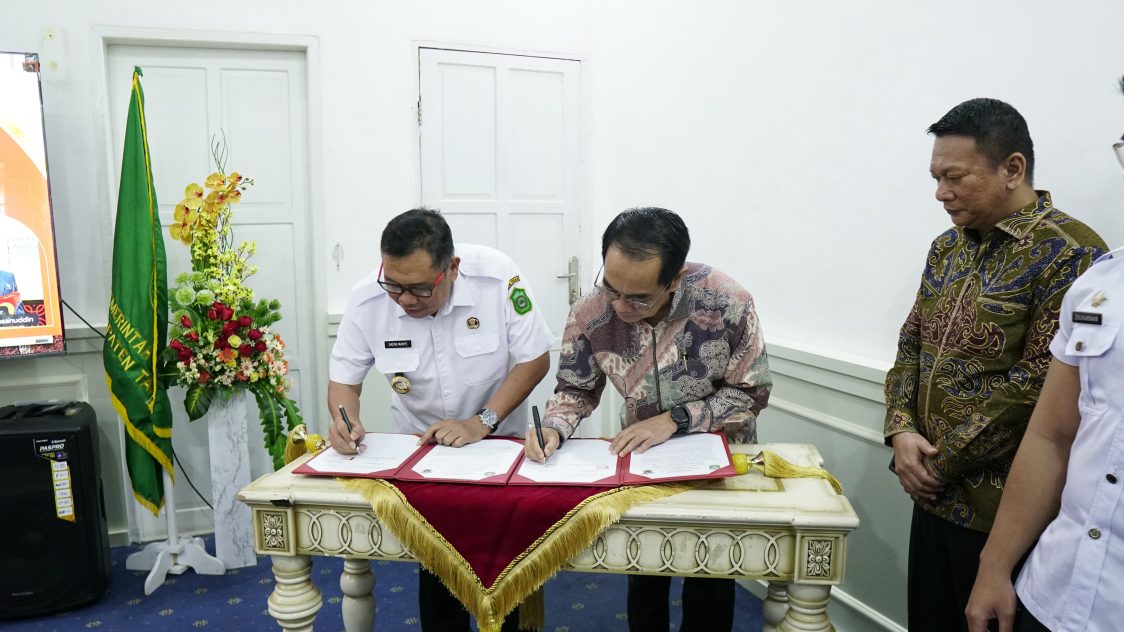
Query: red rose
{"type": "Point", "coordinates": [177, 345]}
{"type": "Point", "coordinates": [185, 321]}
{"type": "Point", "coordinates": [260, 346]}
{"type": "Point", "coordinates": [227, 329]}
{"type": "Point", "coordinates": [221, 343]}
{"type": "Point", "coordinates": [204, 377]}
{"type": "Point", "coordinates": [213, 313]}
{"type": "Point", "coordinates": [192, 336]}
{"type": "Point", "coordinates": [217, 305]}
{"type": "Point", "coordinates": [245, 321]}
{"type": "Point", "coordinates": [245, 350]}
{"type": "Point", "coordinates": [185, 355]}
{"type": "Point", "coordinates": [255, 334]}
{"type": "Point", "coordinates": [227, 313]}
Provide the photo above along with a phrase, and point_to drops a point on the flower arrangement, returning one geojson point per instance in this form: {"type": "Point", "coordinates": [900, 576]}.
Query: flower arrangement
{"type": "Point", "coordinates": [221, 339]}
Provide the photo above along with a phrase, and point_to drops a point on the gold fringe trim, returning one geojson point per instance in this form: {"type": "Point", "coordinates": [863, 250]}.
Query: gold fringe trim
{"type": "Point", "coordinates": [529, 570]}
{"type": "Point", "coordinates": [774, 466]}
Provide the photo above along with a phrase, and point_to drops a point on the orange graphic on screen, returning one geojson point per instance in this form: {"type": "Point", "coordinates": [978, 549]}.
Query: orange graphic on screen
{"type": "Point", "coordinates": [27, 247]}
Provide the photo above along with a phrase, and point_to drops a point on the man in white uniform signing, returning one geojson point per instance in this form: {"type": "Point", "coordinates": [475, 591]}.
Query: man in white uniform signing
{"type": "Point", "coordinates": [456, 333]}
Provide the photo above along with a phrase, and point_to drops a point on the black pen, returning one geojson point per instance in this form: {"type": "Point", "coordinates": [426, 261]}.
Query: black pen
{"type": "Point", "coordinates": [538, 430]}
{"type": "Point", "coordinates": [347, 422]}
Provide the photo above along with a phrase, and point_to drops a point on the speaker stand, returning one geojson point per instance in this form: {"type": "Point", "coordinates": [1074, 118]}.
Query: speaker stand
{"type": "Point", "coordinates": [174, 555]}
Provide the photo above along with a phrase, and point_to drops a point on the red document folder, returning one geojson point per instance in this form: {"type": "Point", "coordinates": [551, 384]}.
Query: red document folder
{"type": "Point", "coordinates": [710, 461]}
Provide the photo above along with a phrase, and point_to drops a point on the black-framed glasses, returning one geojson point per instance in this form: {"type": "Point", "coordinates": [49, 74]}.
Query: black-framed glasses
{"type": "Point", "coordinates": [418, 291]}
{"type": "Point", "coordinates": [1118, 147]}
{"type": "Point", "coordinates": [599, 285]}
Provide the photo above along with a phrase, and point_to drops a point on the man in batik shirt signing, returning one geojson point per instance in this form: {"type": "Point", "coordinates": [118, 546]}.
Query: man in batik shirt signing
{"type": "Point", "coordinates": [974, 349]}
{"type": "Point", "coordinates": [681, 343]}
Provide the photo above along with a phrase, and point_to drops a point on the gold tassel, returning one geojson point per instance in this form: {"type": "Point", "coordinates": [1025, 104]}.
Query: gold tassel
{"type": "Point", "coordinates": [532, 612]}
{"type": "Point", "coordinates": [299, 441]}
{"type": "Point", "coordinates": [774, 466]}
{"type": "Point", "coordinates": [528, 571]}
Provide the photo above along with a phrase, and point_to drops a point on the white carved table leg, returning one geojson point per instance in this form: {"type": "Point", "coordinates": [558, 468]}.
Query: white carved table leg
{"type": "Point", "coordinates": [807, 609]}
{"type": "Point", "coordinates": [295, 600]}
{"type": "Point", "coordinates": [775, 606]}
{"type": "Point", "coordinates": [357, 582]}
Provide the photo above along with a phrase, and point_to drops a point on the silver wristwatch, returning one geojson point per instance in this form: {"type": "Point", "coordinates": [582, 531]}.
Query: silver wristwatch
{"type": "Point", "coordinates": [489, 418]}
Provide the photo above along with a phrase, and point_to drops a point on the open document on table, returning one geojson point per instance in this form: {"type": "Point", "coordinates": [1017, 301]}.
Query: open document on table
{"type": "Point", "coordinates": [500, 461]}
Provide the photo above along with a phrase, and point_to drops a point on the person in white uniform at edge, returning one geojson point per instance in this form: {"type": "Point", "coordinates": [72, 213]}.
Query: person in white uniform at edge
{"type": "Point", "coordinates": [1065, 483]}
{"type": "Point", "coordinates": [456, 333]}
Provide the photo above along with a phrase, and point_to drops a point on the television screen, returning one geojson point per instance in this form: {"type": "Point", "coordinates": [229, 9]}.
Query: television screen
{"type": "Point", "coordinates": [30, 318]}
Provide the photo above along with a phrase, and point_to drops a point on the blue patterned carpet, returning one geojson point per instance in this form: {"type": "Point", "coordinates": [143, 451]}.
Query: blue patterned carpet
{"type": "Point", "coordinates": [575, 602]}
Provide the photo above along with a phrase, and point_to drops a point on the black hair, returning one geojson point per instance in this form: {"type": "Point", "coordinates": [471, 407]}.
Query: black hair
{"type": "Point", "coordinates": [998, 128]}
{"type": "Point", "coordinates": [643, 233]}
{"type": "Point", "coordinates": [422, 228]}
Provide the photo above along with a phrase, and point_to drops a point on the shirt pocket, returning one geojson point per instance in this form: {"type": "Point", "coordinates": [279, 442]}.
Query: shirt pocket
{"type": "Point", "coordinates": [480, 359]}
{"type": "Point", "coordinates": [397, 362]}
{"type": "Point", "coordinates": [1095, 350]}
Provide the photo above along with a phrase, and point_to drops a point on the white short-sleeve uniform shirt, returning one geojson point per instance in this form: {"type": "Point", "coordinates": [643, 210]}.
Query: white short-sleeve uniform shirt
{"type": "Point", "coordinates": [456, 359]}
{"type": "Point", "coordinates": [1074, 578]}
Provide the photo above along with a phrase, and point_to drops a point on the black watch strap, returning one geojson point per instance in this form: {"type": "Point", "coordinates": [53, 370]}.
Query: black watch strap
{"type": "Point", "coordinates": [682, 419]}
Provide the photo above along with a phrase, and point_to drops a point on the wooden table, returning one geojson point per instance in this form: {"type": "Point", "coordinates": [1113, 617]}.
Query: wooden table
{"type": "Point", "coordinates": [791, 533]}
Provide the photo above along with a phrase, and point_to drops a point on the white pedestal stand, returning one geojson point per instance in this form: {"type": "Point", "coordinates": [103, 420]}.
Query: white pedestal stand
{"type": "Point", "coordinates": [230, 472]}
{"type": "Point", "coordinates": [174, 555]}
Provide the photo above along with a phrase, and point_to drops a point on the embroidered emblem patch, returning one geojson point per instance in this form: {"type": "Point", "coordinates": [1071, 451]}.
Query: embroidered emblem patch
{"type": "Point", "coordinates": [512, 281]}
{"type": "Point", "coordinates": [520, 301]}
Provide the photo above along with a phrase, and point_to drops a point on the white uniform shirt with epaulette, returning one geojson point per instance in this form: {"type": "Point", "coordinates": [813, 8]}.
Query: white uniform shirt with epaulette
{"type": "Point", "coordinates": [1074, 578]}
{"type": "Point", "coordinates": [454, 360]}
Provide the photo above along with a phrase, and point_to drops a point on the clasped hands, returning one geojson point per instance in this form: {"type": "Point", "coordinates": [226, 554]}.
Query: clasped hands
{"type": "Point", "coordinates": [912, 454]}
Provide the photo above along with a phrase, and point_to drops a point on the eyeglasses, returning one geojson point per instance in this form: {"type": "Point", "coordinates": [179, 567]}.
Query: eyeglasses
{"type": "Point", "coordinates": [1118, 147]}
{"type": "Point", "coordinates": [418, 291]}
{"type": "Point", "coordinates": [598, 284]}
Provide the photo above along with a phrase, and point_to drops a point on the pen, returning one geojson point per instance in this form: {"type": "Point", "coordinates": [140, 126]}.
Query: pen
{"type": "Point", "coordinates": [538, 430]}
{"type": "Point", "coordinates": [347, 422]}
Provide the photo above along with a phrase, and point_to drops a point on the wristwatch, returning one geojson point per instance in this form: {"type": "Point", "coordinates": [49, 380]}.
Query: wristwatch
{"type": "Point", "coordinates": [489, 418]}
{"type": "Point", "coordinates": [682, 419]}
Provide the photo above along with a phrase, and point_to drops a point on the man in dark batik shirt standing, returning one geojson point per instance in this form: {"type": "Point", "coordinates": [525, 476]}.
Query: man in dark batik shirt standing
{"type": "Point", "coordinates": [974, 349]}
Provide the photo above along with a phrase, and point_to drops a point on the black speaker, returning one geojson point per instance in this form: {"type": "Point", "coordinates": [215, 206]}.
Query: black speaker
{"type": "Point", "coordinates": [54, 543]}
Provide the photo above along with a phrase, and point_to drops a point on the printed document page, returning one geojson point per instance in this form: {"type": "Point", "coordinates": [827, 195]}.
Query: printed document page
{"type": "Point", "coordinates": [378, 452]}
{"type": "Point", "coordinates": [473, 462]}
{"type": "Point", "coordinates": [688, 455]}
{"type": "Point", "coordinates": [577, 461]}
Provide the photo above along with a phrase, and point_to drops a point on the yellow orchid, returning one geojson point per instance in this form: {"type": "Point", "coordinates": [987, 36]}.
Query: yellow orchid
{"type": "Point", "coordinates": [193, 190]}
{"type": "Point", "coordinates": [216, 180]}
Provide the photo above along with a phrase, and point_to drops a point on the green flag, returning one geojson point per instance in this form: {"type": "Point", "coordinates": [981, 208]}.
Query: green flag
{"type": "Point", "coordinates": [138, 317]}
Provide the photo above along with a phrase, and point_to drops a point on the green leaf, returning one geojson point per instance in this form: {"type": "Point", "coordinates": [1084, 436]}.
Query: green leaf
{"type": "Point", "coordinates": [270, 413]}
{"type": "Point", "coordinates": [197, 401]}
{"type": "Point", "coordinates": [292, 413]}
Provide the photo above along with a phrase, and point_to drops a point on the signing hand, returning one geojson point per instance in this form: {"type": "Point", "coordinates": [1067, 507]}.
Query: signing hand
{"type": "Point", "coordinates": [643, 434]}
{"type": "Point", "coordinates": [343, 441]}
{"type": "Point", "coordinates": [455, 432]}
{"type": "Point", "coordinates": [550, 437]}
{"type": "Point", "coordinates": [911, 451]}
{"type": "Point", "coordinates": [993, 597]}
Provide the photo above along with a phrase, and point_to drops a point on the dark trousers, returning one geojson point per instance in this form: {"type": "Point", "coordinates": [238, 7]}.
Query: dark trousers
{"type": "Point", "coordinates": [943, 560]}
{"type": "Point", "coordinates": [442, 612]}
{"type": "Point", "coordinates": [708, 604]}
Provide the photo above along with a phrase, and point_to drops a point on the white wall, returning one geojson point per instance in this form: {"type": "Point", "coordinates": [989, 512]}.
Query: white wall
{"type": "Point", "coordinates": [791, 136]}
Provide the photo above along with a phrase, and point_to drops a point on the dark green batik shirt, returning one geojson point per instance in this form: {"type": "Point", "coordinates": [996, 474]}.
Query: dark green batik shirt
{"type": "Point", "coordinates": [974, 349]}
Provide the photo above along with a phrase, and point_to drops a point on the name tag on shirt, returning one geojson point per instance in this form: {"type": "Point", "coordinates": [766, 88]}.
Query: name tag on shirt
{"type": "Point", "coordinates": [1087, 318]}
{"type": "Point", "coordinates": [406, 344]}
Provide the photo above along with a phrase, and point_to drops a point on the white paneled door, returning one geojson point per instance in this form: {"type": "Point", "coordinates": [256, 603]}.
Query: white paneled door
{"type": "Point", "coordinates": [500, 159]}
{"type": "Point", "coordinates": [258, 100]}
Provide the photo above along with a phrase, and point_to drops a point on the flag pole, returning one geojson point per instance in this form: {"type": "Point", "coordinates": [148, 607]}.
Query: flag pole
{"type": "Point", "coordinates": [175, 554]}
